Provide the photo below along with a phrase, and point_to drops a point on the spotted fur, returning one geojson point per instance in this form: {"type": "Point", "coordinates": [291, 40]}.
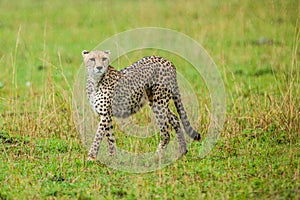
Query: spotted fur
{"type": "Point", "coordinates": [123, 93]}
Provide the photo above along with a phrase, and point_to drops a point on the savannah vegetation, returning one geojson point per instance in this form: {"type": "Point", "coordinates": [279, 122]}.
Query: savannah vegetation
{"type": "Point", "coordinates": [255, 45]}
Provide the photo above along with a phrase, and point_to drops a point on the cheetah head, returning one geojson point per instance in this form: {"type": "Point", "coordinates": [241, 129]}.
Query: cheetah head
{"type": "Point", "coordinates": [96, 62]}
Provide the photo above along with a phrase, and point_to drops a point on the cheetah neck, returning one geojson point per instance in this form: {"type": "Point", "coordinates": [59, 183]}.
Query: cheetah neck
{"type": "Point", "coordinates": [93, 82]}
{"type": "Point", "coordinates": [91, 85]}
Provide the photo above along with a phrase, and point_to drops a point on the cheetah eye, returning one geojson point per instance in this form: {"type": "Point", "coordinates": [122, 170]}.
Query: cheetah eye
{"type": "Point", "coordinates": [104, 59]}
{"type": "Point", "coordinates": [92, 59]}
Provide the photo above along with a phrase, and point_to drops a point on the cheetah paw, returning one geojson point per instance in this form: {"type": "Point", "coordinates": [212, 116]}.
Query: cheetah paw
{"type": "Point", "coordinates": [91, 158]}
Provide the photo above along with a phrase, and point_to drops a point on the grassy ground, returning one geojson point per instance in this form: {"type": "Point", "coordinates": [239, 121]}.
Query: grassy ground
{"type": "Point", "coordinates": [256, 47]}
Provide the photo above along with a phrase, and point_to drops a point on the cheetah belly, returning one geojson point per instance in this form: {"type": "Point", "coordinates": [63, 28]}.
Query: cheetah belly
{"type": "Point", "coordinates": [127, 103]}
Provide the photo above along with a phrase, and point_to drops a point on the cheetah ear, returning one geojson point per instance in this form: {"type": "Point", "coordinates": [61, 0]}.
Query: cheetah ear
{"type": "Point", "coordinates": [107, 52]}
{"type": "Point", "coordinates": [84, 53]}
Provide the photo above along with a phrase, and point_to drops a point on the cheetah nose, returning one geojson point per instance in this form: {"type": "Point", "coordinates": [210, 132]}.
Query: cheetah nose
{"type": "Point", "coordinates": [99, 67]}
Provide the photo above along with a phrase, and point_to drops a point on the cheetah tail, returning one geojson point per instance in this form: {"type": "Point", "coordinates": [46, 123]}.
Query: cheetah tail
{"type": "Point", "coordinates": [183, 116]}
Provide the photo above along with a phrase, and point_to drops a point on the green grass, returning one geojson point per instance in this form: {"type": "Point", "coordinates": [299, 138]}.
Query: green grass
{"type": "Point", "coordinates": [257, 154]}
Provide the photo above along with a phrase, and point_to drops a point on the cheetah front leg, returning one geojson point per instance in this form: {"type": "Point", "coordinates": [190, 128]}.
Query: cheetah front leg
{"type": "Point", "coordinates": [110, 138]}
{"type": "Point", "coordinates": [174, 121]}
{"type": "Point", "coordinates": [93, 152]}
{"type": "Point", "coordinates": [104, 127]}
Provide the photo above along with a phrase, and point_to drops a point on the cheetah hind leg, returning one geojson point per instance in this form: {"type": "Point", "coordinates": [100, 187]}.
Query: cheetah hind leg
{"type": "Point", "coordinates": [174, 121]}
{"type": "Point", "coordinates": [161, 117]}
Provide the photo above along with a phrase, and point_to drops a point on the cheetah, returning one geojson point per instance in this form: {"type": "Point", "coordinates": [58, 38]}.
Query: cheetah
{"type": "Point", "coordinates": [113, 93]}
